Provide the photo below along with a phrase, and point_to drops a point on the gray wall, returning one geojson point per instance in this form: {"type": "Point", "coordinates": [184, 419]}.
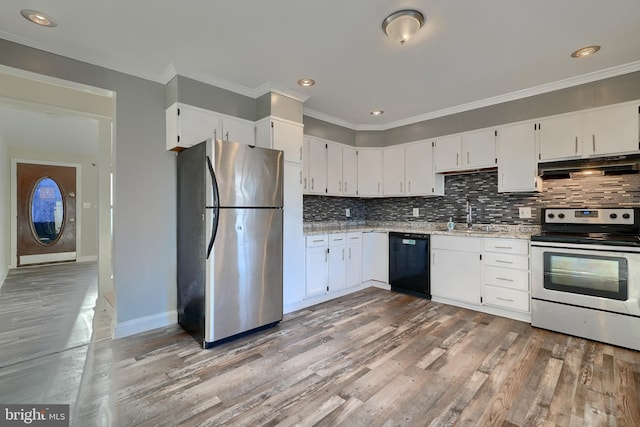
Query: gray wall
{"type": "Point", "coordinates": [5, 225]}
{"type": "Point", "coordinates": [325, 130]}
{"type": "Point", "coordinates": [145, 187]}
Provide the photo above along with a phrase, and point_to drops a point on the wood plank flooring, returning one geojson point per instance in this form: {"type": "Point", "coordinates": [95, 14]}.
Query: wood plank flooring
{"type": "Point", "coordinates": [372, 358]}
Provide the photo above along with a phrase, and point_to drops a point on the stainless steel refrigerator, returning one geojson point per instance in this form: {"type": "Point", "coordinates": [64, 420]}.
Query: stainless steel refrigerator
{"type": "Point", "coordinates": [229, 239]}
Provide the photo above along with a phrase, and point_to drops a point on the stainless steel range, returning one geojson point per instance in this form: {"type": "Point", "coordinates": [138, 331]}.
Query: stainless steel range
{"type": "Point", "coordinates": [585, 274]}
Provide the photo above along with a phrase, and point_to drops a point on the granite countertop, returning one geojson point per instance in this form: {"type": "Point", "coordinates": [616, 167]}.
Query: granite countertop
{"type": "Point", "coordinates": [477, 230]}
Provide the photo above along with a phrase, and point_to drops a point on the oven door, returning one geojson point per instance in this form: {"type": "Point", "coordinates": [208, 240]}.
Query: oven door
{"type": "Point", "coordinates": [600, 277]}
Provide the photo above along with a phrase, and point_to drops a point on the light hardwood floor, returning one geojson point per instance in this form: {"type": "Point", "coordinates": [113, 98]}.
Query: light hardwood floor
{"type": "Point", "coordinates": [372, 358]}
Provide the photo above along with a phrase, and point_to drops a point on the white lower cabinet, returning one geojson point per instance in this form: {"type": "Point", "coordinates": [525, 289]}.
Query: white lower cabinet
{"type": "Point", "coordinates": [317, 263]}
{"type": "Point", "coordinates": [337, 261]}
{"type": "Point", "coordinates": [505, 274]}
{"type": "Point", "coordinates": [333, 263]}
{"type": "Point", "coordinates": [455, 268]}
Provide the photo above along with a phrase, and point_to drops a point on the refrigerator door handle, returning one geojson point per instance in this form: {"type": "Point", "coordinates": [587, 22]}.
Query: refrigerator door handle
{"type": "Point", "coordinates": [216, 209]}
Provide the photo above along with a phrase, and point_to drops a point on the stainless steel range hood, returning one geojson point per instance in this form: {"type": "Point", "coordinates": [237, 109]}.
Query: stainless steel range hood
{"type": "Point", "coordinates": [614, 165]}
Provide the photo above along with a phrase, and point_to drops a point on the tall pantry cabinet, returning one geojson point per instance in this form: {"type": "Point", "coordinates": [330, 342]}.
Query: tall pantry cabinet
{"type": "Point", "coordinates": [272, 132]}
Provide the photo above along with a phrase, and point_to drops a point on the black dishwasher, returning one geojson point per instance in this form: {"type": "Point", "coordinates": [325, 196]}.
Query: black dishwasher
{"type": "Point", "coordinates": [409, 263]}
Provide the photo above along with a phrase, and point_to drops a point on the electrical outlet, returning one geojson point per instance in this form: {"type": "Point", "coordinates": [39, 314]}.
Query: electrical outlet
{"type": "Point", "coordinates": [416, 212]}
{"type": "Point", "coordinates": [86, 205]}
{"type": "Point", "coordinates": [524, 212]}
{"type": "Point", "coordinates": [347, 212]}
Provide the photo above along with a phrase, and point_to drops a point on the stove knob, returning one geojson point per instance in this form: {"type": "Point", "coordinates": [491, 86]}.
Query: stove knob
{"type": "Point", "coordinates": [613, 216]}
{"type": "Point", "coordinates": [561, 215]}
{"type": "Point", "coordinates": [550, 215]}
{"type": "Point", "coordinates": [626, 216]}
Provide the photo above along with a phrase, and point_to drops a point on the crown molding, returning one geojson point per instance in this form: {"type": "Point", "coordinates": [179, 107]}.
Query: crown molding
{"type": "Point", "coordinates": [512, 96]}
{"type": "Point", "coordinates": [281, 90]}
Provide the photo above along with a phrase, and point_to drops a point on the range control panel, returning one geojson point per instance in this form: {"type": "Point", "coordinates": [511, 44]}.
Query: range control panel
{"type": "Point", "coordinates": [617, 216]}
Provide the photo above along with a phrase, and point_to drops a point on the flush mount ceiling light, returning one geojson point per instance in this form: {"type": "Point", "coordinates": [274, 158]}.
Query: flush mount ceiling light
{"type": "Point", "coordinates": [306, 82]}
{"type": "Point", "coordinates": [400, 26]}
{"type": "Point", "coordinates": [376, 112]}
{"type": "Point", "coordinates": [585, 51]}
{"type": "Point", "coordinates": [39, 18]}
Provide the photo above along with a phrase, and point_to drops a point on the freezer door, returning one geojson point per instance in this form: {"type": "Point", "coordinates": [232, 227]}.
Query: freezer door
{"type": "Point", "coordinates": [245, 272]}
{"type": "Point", "coordinates": [247, 176]}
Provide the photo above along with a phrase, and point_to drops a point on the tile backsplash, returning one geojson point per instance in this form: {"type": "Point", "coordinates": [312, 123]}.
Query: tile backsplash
{"type": "Point", "coordinates": [481, 191]}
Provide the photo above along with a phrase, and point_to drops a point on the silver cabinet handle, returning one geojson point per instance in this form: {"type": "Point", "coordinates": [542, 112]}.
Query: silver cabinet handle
{"type": "Point", "coordinates": [504, 262]}
{"type": "Point", "coordinates": [312, 183]}
{"type": "Point", "coordinates": [503, 247]}
{"type": "Point", "coordinates": [457, 159]}
{"type": "Point", "coordinates": [300, 177]}
{"type": "Point", "coordinates": [305, 182]}
{"type": "Point", "coordinates": [349, 253]}
{"type": "Point", "coordinates": [401, 186]}
{"type": "Point", "coordinates": [468, 161]}
{"type": "Point", "coordinates": [339, 185]}
{"type": "Point", "coordinates": [409, 189]}
{"type": "Point", "coordinates": [72, 220]}
{"type": "Point", "coordinates": [593, 141]}
{"type": "Point", "coordinates": [343, 254]}
{"type": "Point", "coordinates": [345, 186]}
{"type": "Point", "coordinates": [215, 134]}
{"type": "Point", "coordinates": [326, 255]}
{"type": "Point", "coordinates": [227, 135]}
{"type": "Point", "coordinates": [378, 188]}
{"type": "Point", "coordinates": [505, 299]}
{"type": "Point", "coordinates": [576, 145]}
{"type": "Point", "coordinates": [301, 153]}
{"type": "Point", "coordinates": [504, 278]}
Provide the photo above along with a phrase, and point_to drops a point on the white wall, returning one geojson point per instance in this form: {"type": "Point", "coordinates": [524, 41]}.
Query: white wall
{"type": "Point", "coordinates": [5, 227]}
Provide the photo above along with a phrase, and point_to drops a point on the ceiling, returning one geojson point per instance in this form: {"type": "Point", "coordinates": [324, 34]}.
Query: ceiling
{"type": "Point", "coordinates": [468, 52]}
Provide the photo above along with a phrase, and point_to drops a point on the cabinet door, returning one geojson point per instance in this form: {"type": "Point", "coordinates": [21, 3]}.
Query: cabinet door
{"type": "Point", "coordinates": [238, 130]}
{"type": "Point", "coordinates": [560, 137]}
{"type": "Point", "coordinates": [317, 176]}
{"type": "Point", "coordinates": [193, 125]}
{"type": "Point", "coordinates": [317, 261]}
{"type": "Point", "coordinates": [354, 259]}
{"type": "Point", "coordinates": [517, 165]}
{"type": "Point", "coordinates": [294, 241]}
{"type": "Point", "coordinates": [349, 171]}
{"type": "Point", "coordinates": [479, 149]}
{"type": "Point", "coordinates": [370, 172]}
{"type": "Point", "coordinates": [393, 171]}
{"type": "Point", "coordinates": [288, 138]}
{"type": "Point", "coordinates": [337, 261]}
{"type": "Point", "coordinates": [334, 169]}
{"type": "Point", "coordinates": [450, 281]}
{"type": "Point", "coordinates": [375, 257]}
{"type": "Point", "coordinates": [446, 154]}
{"type": "Point", "coordinates": [419, 176]}
{"type": "Point", "coordinates": [611, 130]}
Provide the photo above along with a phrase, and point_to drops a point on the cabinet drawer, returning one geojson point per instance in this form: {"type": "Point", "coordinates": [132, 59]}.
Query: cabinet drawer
{"type": "Point", "coordinates": [506, 298]}
{"type": "Point", "coordinates": [338, 239]}
{"type": "Point", "coordinates": [354, 237]}
{"type": "Point", "coordinates": [506, 260]}
{"type": "Point", "coordinates": [317, 240]}
{"type": "Point", "coordinates": [507, 246]}
{"type": "Point", "coordinates": [456, 243]}
{"type": "Point", "coordinates": [506, 278]}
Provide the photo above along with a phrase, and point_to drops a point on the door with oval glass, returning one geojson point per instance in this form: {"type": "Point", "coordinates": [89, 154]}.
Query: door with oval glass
{"type": "Point", "coordinates": [46, 210]}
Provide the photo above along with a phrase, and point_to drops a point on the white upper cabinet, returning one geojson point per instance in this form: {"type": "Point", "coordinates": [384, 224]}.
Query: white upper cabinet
{"type": "Point", "coordinates": [315, 166]}
{"type": "Point", "coordinates": [281, 135]}
{"type": "Point", "coordinates": [471, 150]}
{"type": "Point", "coordinates": [187, 125]}
{"type": "Point", "coordinates": [334, 169]}
{"type": "Point", "coordinates": [393, 171]}
{"type": "Point", "coordinates": [516, 152]}
{"type": "Point", "coordinates": [612, 130]}
{"type": "Point", "coordinates": [446, 153]}
{"type": "Point", "coordinates": [599, 132]}
{"type": "Point", "coordinates": [370, 172]}
{"type": "Point", "coordinates": [349, 171]}
{"type": "Point", "coordinates": [419, 176]}
{"type": "Point", "coordinates": [560, 137]}
{"type": "Point", "coordinates": [479, 149]}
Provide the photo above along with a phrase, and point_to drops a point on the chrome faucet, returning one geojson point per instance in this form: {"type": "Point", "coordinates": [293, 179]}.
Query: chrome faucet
{"type": "Point", "coordinates": [469, 216]}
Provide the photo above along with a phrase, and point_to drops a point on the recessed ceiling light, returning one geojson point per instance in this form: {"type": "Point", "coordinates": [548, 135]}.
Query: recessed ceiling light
{"type": "Point", "coordinates": [39, 18]}
{"type": "Point", "coordinates": [585, 51]}
{"type": "Point", "coordinates": [376, 112]}
{"type": "Point", "coordinates": [306, 82]}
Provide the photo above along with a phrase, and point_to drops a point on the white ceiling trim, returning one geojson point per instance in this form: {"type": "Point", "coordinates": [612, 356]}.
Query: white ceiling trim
{"type": "Point", "coordinates": [537, 90]}
{"type": "Point", "coordinates": [279, 89]}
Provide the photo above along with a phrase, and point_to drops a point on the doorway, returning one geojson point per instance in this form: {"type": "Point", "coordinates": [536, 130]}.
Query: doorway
{"type": "Point", "coordinates": [46, 213]}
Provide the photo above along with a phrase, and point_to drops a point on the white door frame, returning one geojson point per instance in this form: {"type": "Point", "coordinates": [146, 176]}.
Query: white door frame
{"type": "Point", "coordinates": [14, 208]}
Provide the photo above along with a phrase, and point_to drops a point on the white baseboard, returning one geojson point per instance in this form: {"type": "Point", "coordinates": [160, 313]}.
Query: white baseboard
{"type": "Point", "coordinates": [4, 277]}
{"type": "Point", "coordinates": [146, 323]}
{"type": "Point", "coordinates": [289, 308]}
{"type": "Point", "coordinates": [91, 258]}
{"type": "Point", "coordinates": [381, 285]}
